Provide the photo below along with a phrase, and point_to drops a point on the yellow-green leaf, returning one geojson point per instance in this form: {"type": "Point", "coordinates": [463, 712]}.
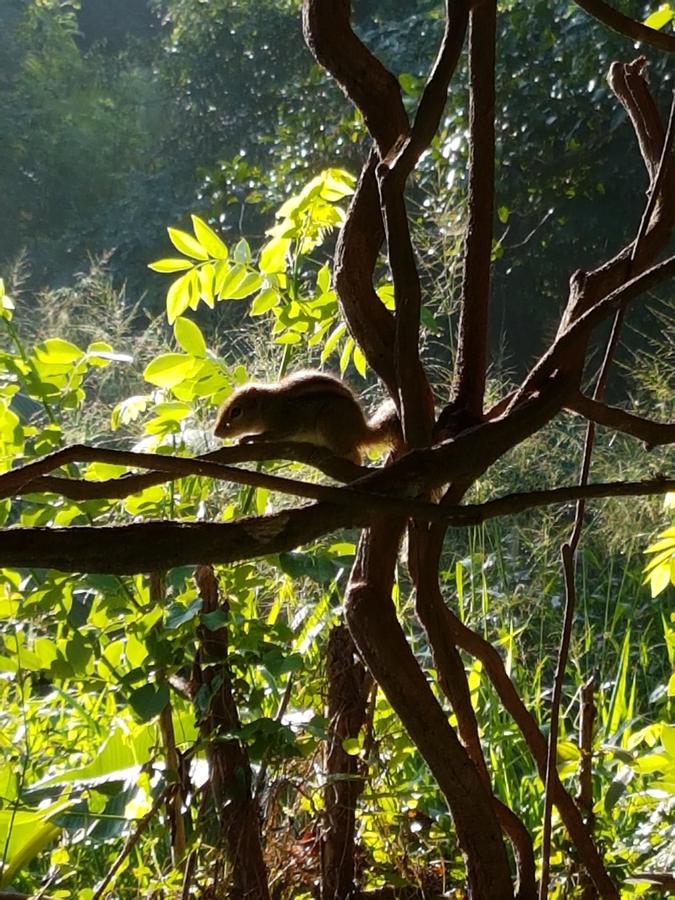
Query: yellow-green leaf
{"type": "Point", "coordinates": [359, 362]}
{"type": "Point", "coordinates": [659, 579]}
{"type": "Point", "coordinates": [346, 354]}
{"type": "Point", "coordinates": [323, 279]}
{"type": "Point", "coordinates": [174, 264]}
{"type": "Point", "coordinates": [206, 279]}
{"type": "Point", "coordinates": [128, 410]}
{"type": "Point", "coordinates": [187, 244]}
{"type": "Point", "coordinates": [265, 301]}
{"type": "Point", "coordinates": [273, 256]}
{"type": "Point", "coordinates": [178, 297]}
{"type": "Point", "coordinates": [244, 287]}
{"type": "Point", "coordinates": [189, 337]}
{"type": "Point", "coordinates": [660, 17]}
{"type": "Point", "coordinates": [168, 369]}
{"type": "Point", "coordinates": [56, 351]}
{"type": "Point", "coordinates": [208, 239]}
{"type": "Point", "coordinates": [332, 341]}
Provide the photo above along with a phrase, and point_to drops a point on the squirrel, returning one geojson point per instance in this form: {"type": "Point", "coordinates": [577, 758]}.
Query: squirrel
{"type": "Point", "coordinates": [307, 406]}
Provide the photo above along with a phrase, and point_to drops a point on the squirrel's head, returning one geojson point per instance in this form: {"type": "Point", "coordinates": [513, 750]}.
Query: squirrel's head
{"type": "Point", "coordinates": [241, 413]}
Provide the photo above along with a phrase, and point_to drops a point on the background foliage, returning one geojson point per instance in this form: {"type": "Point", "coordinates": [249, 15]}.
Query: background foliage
{"type": "Point", "coordinates": [216, 110]}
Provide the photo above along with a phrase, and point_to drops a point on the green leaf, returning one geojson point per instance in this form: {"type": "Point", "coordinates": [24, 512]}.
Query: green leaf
{"type": "Point", "coordinates": [178, 296]}
{"type": "Point", "coordinates": [129, 410]}
{"type": "Point", "coordinates": [273, 256]}
{"type": "Point", "coordinates": [503, 213]}
{"type": "Point", "coordinates": [216, 619]}
{"type": "Point", "coordinates": [242, 252]}
{"type": "Point", "coordinates": [208, 239]}
{"type": "Point", "coordinates": [239, 284]}
{"type": "Point", "coordinates": [148, 701]}
{"type": "Point", "coordinates": [170, 265]}
{"type": "Point", "coordinates": [346, 354]}
{"type": "Point", "coordinates": [178, 614]}
{"type": "Point", "coordinates": [332, 341]}
{"type": "Point", "coordinates": [222, 270]}
{"type": "Point", "coordinates": [189, 337]}
{"type": "Point", "coordinates": [265, 301]}
{"type": "Point", "coordinates": [206, 275]}
{"type": "Point", "coordinates": [6, 303]}
{"type": "Point", "coordinates": [659, 578]}
{"type": "Point", "coordinates": [323, 279]}
{"type": "Point", "coordinates": [352, 746]}
{"type": "Point", "coordinates": [168, 369]}
{"type": "Point", "coordinates": [359, 361]}
{"type": "Point", "coordinates": [187, 244]}
{"type": "Point", "coordinates": [56, 351]}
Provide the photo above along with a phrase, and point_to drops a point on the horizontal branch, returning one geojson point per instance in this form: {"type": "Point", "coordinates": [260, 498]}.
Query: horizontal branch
{"type": "Point", "coordinates": [652, 433]}
{"type": "Point", "coordinates": [148, 546]}
{"type": "Point", "coordinates": [626, 26]}
{"type": "Point", "coordinates": [511, 504]}
{"type": "Point", "coordinates": [14, 483]}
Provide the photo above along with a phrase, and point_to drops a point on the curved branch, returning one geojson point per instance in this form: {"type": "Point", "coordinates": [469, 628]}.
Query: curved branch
{"type": "Point", "coordinates": [569, 340]}
{"type": "Point", "coordinates": [368, 84]}
{"type": "Point", "coordinates": [370, 322]}
{"type": "Point", "coordinates": [652, 433]}
{"type": "Point", "coordinates": [435, 94]}
{"type": "Point", "coordinates": [626, 26]}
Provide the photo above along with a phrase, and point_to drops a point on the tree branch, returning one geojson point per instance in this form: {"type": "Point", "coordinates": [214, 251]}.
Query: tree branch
{"type": "Point", "coordinates": [143, 547]}
{"type": "Point", "coordinates": [471, 362]}
{"type": "Point", "coordinates": [626, 26]}
{"type": "Point", "coordinates": [572, 339]}
{"type": "Point", "coordinates": [370, 322]}
{"type": "Point", "coordinates": [117, 488]}
{"type": "Point", "coordinates": [435, 94]}
{"type": "Point", "coordinates": [652, 433]}
{"type": "Point", "coordinates": [380, 639]}
{"type": "Point", "coordinates": [369, 85]}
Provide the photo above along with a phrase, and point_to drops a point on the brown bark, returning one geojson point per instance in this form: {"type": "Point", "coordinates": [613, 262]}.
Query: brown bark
{"type": "Point", "coordinates": [229, 768]}
{"type": "Point", "coordinates": [471, 363]}
{"type": "Point", "coordinates": [383, 647]}
{"type": "Point", "coordinates": [348, 686]}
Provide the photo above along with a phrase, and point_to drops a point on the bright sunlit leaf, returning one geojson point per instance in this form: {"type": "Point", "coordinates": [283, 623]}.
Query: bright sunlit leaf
{"type": "Point", "coordinates": [208, 239]}
{"type": "Point", "coordinates": [187, 244]}
{"type": "Point", "coordinates": [660, 17]}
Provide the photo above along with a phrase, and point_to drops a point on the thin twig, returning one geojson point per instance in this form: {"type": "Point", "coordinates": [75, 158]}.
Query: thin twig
{"type": "Point", "coordinates": [131, 841]}
{"type": "Point", "coordinates": [569, 549]}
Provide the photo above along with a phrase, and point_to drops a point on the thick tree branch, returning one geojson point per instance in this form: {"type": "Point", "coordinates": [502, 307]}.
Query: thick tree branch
{"type": "Point", "coordinates": [629, 86]}
{"type": "Point", "coordinates": [652, 433]}
{"type": "Point", "coordinates": [416, 401]}
{"type": "Point", "coordinates": [471, 362]}
{"type": "Point", "coordinates": [370, 322]}
{"type": "Point", "coordinates": [587, 288]}
{"type": "Point", "coordinates": [425, 547]}
{"type": "Point", "coordinates": [483, 650]}
{"type": "Point", "coordinates": [22, 478]}
{"type": "Point", "coordinates": [129, 549]}
{"type": "Point", "coordinates": [363, 78]}
{"type": "Point", "coordinates": [626, 26]}
{"type": "Point", "coordinates": [378, 635]}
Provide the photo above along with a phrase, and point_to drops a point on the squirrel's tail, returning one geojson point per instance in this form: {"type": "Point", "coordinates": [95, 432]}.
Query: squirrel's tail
{"type": "Point", "coordinates": [384, 428]}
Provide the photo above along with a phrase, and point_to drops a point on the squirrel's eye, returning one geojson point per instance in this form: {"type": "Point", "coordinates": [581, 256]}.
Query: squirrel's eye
{"type": "Point", "coordinates": [235, 412]}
